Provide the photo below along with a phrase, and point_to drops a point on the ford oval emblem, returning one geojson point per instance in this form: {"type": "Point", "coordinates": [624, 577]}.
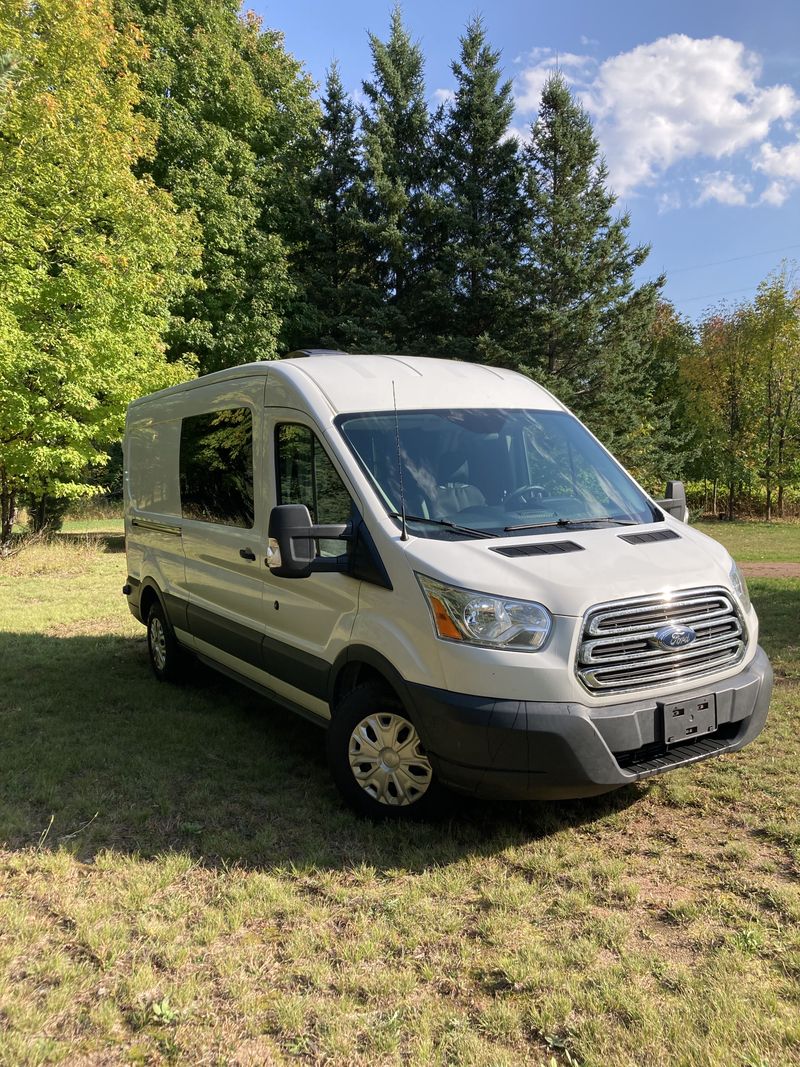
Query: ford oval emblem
{"type": "Point", "coordinates": [671, 637]}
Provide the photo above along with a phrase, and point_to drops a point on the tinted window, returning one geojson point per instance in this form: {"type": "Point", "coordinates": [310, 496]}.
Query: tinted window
{"type": "Point", "coordinates": [307, 476]}
{"type": "Point", "coordinates": [217, 467]}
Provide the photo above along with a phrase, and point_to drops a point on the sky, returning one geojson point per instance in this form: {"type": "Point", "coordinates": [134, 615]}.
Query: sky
{"type": "Point", "coordinates": [696, 106]}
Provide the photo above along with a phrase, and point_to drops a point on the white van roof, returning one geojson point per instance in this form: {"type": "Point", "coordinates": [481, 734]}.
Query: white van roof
{"type": "Point", "coordinates": [351, 383]}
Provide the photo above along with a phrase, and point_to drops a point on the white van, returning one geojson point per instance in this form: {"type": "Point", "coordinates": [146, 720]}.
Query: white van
{"type": "Point", "coordinates": [440, 564]}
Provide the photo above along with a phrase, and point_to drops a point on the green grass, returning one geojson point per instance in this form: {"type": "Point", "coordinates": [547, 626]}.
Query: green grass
{"type": "Point", "coordinates": [751, 542]}
{"type": "Point", "coordinates": [179, 882]}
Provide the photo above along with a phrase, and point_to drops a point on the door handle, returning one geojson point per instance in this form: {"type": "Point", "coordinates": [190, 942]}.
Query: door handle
{"type": "Point", "coordinates": [247, 553]}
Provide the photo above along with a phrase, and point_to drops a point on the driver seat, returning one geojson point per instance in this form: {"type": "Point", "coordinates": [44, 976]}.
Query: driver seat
{"type": "Point", "coordinates": [454, 491]}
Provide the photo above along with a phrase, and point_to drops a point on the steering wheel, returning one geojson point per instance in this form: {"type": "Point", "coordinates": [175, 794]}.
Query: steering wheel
{"type": "Point", "coordinates": [526, 494]}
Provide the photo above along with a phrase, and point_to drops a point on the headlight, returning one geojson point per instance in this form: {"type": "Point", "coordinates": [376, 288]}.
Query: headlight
{"type": "Point", "coordinates": [739, 586]}
{"type": "Point", "coordinates": [485, 620]}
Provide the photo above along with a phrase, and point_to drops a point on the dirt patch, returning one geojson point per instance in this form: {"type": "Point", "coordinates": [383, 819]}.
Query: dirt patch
{"type": "Point", "coordinates": [770, 570]}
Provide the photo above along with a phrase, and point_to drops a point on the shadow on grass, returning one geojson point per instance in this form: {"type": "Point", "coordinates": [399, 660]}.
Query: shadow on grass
{"type": "Point", "coordinates": [120, 761]}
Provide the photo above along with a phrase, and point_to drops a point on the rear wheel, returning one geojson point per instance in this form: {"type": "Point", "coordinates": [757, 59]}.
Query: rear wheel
{"type": "Point", "coordinates": [377, 759]}
{"type": "Point", "coordinates": [166, 656]}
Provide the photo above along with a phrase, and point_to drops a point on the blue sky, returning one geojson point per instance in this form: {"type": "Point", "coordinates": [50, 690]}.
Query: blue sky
{"type": "Point", "coordinates": [696, 105]}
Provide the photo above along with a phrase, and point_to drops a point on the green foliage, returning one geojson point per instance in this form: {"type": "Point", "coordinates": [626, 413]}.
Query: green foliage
{"type": "Point", "coordinates": [744, 385]}
{"type": "Point", "coordinates": [400, 211]}
{"type": "Point", "coordinates": [338, 292]}
{"type": "Point", "coordinates": [91, 256]}
{"type": "Point", "coordinates": [480, 182]}
{"type": "Point", "coordinates": [235, 140]}
{"type": "Point", "coordinates": [583, 327]}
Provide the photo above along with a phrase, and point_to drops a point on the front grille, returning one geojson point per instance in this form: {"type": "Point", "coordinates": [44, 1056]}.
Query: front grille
{"type": "Point", "coordinates": [619, 650]}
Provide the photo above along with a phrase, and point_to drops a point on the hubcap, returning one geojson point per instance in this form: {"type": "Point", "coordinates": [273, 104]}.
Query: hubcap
{"type": "Point", "coordinates": [158, 643]}
{"type": "Point", "coordinates": [388, 760]}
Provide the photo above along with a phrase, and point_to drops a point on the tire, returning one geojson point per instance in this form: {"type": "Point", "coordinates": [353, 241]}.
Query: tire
{"type": "Point", "coordinates": [400, 785]}
{"type": "Point", "coordinates": [167, 658]}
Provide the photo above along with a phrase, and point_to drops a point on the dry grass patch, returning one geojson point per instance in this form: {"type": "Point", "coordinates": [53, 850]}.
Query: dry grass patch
{"type": "Point", "coordinates": [179, 882]}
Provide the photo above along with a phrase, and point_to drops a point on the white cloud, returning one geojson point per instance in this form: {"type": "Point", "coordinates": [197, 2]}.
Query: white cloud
{"type": "Point", "coordinates": [681, 97]}
{"type": "Point", "coordinates": [782, 166]}
{"type": "Point", "coordinates": [672, 100]}
{"type": "Point", "coordinates": [587, 42]}
{"type": "Point", "coordinates": [723, 187]}
{"type": "Point", "coordinates": [670, 200]}
{"type": "Point", "coordinates": [530, 81]}
{"type": "Point", "coordinates": [443, 96]}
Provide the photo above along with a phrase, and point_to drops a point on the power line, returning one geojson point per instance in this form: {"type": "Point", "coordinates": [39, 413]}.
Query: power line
{"type": "Point", "coordinates": [714, 296]}
{"type": "Point", "coordinates": [733, 259]}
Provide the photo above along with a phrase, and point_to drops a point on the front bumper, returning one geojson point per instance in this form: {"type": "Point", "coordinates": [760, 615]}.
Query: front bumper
{"type": "Point", "coordinates": [524, 749]}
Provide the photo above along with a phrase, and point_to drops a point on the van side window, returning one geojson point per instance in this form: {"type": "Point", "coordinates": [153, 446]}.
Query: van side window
{"type": "Point", "coordinates": [216, 467]}
{"type": "Point", "coordinates": [307, 476]}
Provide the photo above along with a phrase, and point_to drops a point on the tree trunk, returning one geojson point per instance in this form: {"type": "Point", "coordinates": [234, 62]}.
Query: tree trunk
{"type": "Point", "coordinates": [731, 492]}
{"type": "Point", "coordinates": [714, 498]}
{"type": "Point", "coordinates": [8, 513]}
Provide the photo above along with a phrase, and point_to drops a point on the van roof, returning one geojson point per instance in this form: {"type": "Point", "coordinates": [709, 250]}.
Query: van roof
{"type": "Point", "coordinates": [364, 382]}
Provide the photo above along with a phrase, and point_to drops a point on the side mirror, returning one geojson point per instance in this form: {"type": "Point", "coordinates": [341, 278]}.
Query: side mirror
{"type": "Point", "coordinates": [674, 501]}
{"type": "Point", "coordinates": [292, 542]}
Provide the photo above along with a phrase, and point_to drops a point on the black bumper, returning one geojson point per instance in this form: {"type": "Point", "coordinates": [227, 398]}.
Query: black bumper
{"type": "Point", "coordinates": [523, 749]}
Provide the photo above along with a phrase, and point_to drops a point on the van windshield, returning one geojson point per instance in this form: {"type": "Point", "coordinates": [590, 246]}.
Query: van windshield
{"type": "Point", "coordinates": [472, 472]}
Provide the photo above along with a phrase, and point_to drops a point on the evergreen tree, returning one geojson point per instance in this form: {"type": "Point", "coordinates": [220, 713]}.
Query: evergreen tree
{"type": "Point", "coordinates": [584, 328]}
{"type": "Point", "coordinates": [396, 125]}
{"type": "Point", "coordinates": [235, 122]}
{"type": "Point", "coordinates": [484, 215]}
{"type": "Point", "coordinates": [91, 257]}
{"type": "Point", "coordinates": [337, 287]}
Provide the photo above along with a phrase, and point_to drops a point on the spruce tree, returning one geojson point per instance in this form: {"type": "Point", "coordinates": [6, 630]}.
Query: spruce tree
{"type": "Point", "coordinates": [396, 126]}
{"type": "Point", "coordinates": [235, 120]}
{"type": "Point", "coordinates": [337, 288]}
{"type": "Point", "coordinates": [584, 327]}
{"type": "Point", "coordinates": [484, 215]}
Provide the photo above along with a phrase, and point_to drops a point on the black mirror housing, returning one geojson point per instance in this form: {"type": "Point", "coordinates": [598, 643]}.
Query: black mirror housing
{"type": "Point", "coordinates": [292, 542]}
{"type": "Point", "coordinates": [674, 502]}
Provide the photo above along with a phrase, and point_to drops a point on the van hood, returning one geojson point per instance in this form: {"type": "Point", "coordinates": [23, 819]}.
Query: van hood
{"type": "Point", "coordinates": [604, 567]}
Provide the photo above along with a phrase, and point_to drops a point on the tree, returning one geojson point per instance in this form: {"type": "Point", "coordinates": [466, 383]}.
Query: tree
{"type": "Point", "coordinates": [236, 124]}
{"type": "Point", "coordinates": [484, 214]}
{"type": "Point", "coordinates": [400, 209]}
{"type": "Point", "coordinates": [337, 288]}
{"type": "Point", "coordinates": [91, 256]}
{"type": "Point", "coordinates": [776, 337]}
{"type": "Point", "coordinates": [583, 326]}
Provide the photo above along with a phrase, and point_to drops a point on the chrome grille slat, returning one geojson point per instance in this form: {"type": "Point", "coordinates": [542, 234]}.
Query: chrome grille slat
{"type": "Point", "coordinates": [668, 610]}
{"type": "Point", "coordinates": [588, 650]}
{"type": "Point", "coordinates": [618, 649]}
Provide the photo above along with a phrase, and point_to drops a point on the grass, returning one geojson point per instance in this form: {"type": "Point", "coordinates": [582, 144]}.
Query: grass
{"type": "Point", "coordinates": [751, 542]}
{"type": "Point", "coordinates": [179, 882]}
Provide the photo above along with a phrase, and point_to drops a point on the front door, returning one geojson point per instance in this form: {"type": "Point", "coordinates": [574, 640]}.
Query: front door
{"type": "Point", "coordinates": [308, 621]}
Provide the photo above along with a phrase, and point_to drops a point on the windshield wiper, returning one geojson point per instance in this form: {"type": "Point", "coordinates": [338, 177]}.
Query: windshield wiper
{"type": "Point", "coordinates": [568, 522]}
{"type": "Point", "coordinates": [443, 522]}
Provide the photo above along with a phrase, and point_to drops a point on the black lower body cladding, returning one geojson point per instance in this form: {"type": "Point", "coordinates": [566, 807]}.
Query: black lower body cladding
{"type": "Point", "coordinates": [523, 749]}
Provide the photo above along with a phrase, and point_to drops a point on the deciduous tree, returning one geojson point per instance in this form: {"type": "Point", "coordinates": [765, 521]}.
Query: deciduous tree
{"type": "Point", "coordinates": [91, 256]}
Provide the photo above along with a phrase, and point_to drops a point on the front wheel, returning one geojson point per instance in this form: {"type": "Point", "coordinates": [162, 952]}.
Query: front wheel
{"type": "Point", "coordinates": [377, 759]}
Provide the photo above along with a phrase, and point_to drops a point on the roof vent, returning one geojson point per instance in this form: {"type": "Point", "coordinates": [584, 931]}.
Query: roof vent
{"type": "Point", "coordinates": [314, 352]}
{"type": "Point", "coordinates": [548, 548]}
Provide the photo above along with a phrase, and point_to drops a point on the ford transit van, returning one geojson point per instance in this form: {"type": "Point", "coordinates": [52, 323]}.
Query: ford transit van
{"type": "Point", "coordinates": [438, 563]}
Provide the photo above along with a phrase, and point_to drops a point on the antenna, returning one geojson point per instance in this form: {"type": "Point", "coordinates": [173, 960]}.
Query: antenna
{"type": "Point", "coordinates": [404, 531]}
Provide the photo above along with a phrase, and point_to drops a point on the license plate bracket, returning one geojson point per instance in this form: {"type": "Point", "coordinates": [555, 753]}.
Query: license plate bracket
{"type": "Point", "coordinates": [684, 720]}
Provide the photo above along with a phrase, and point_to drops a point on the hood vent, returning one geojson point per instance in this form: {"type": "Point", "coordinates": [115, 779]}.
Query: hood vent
{"type": "Point", "coordinates": [644, 538]}
{"type": "Point", "coordinates": [549, 548]}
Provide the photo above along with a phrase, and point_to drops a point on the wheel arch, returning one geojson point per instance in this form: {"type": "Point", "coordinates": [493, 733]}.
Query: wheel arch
{"type": "Point", "coordinates": [358, 664]}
